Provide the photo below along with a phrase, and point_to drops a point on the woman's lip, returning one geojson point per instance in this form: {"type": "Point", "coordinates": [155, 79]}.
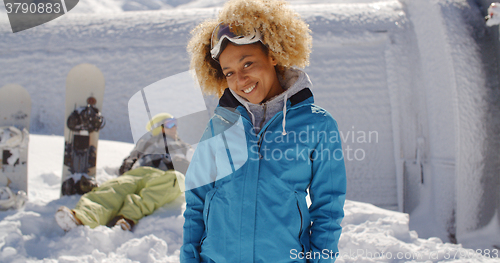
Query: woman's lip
{"type": "Point", "coordinates": [255, 87]}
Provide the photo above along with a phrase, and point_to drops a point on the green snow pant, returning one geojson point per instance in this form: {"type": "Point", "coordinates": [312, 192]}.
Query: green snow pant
{"type": "Point", "coordinates": [133, 195]}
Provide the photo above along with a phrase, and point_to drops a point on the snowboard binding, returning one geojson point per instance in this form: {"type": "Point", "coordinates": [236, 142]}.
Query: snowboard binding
{"type": "Point", "coordinates": [78, 184]}
{"type": "Point", "coordinates": [86, 118]}
{"type": "Point", "coordinates": [11, 138]}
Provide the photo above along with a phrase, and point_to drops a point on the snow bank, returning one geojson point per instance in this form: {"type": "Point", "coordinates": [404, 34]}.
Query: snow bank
{"type": "Point", "coordinates": [372, 234]}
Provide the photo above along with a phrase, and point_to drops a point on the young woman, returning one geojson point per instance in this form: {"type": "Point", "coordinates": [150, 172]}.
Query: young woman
{"type": "Point", "coordinates": [247, 201]}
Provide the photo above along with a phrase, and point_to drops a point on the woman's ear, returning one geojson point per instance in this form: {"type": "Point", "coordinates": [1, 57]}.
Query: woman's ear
{"type": "Point", "coordinates": [274, 62]}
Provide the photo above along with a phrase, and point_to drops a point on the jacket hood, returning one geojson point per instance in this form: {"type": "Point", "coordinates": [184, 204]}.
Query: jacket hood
{"type": "Point", "coordinates": [293, 82]}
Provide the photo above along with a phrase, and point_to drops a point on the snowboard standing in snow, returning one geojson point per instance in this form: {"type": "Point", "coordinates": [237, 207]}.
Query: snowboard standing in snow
{"type": "Point", "coordinates": [83, 121]}
{"type": "Point", "coordinates": [15, 109]}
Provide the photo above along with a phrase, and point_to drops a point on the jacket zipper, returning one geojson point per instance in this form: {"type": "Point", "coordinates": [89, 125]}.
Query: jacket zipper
{"type": "Point", "coordinates": [263, 119]}
{"type": "Point", "coordinates": [301, 222]}
{"type": "Point", "coordinates": [260, 126]}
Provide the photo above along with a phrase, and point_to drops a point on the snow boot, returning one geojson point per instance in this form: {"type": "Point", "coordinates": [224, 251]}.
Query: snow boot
{"type": "Point", "coordinates": [125, 224]}
{"type": "Point", "coordinates": [66, 219]}
{"type": "Point", "coordinates": [10, 200]}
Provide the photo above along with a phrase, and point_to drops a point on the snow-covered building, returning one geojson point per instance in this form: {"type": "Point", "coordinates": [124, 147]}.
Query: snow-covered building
{"type": "Point", "coordinates": [413, 85]}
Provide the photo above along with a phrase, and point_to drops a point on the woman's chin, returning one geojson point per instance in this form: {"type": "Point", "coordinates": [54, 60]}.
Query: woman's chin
{"type": "Point", "coordinates": [252, 98]}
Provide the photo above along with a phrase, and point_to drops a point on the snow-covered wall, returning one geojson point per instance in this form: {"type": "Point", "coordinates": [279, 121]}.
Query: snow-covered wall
{"type": "Point", "coordinates": [132, 50]}
{"type": "Point", "coordinates": [459, 185]}
{"type": "Point", "coordinates": [435, 158]}
{"type": "Point", "coordinates": [475, 61]}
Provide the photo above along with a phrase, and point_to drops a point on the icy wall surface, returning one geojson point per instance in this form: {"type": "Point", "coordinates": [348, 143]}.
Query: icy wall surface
{"type": "Point", "coordinates": [474, 49]}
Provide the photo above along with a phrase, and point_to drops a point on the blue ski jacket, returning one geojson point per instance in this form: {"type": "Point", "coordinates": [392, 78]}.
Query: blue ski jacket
{"type": "Point", "coordinates": [246, 192]}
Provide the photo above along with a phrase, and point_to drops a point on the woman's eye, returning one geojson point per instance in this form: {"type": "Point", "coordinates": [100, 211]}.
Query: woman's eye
{"type": "Point", "coordinates": [229, 74]}
{"type": "Point", "coordinates": [247, 64]}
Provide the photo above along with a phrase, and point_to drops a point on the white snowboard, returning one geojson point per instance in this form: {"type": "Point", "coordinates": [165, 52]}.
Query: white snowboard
{"type": "Point", "coordinates": [15, 110]}
{"type": "Point", "coordinates": [84, 85]}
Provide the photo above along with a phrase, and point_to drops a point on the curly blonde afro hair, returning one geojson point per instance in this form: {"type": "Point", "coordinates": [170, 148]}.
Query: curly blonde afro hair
{"type": "Point", "coordinates": [284, 33]}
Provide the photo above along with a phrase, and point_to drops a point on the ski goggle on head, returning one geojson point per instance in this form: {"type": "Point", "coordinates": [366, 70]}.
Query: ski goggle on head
{"type": "Point", "coordinates": [234, 33]}
{"type": "Point", "coordinates": [170, 123]}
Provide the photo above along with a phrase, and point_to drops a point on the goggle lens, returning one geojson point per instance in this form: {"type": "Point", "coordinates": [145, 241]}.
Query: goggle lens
{"type": "Point", "coordinates": [230, 31]}
{"type": "Point", "coordinates": [170, 123]}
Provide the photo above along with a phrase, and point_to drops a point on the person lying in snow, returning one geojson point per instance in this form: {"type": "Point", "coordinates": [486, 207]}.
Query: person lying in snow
{"type": "Point", "coordinates": [148, 181]}
{"type": "Point", "coordinates": [149, 150]}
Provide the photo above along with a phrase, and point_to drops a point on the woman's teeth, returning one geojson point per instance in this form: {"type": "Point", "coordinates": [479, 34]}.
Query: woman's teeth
{"type": "Point", "coordinates": [249, 89]}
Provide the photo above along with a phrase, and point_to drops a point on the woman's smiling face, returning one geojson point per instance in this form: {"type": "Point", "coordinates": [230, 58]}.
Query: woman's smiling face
{"type": "Point", "coordinates": [250, 72]}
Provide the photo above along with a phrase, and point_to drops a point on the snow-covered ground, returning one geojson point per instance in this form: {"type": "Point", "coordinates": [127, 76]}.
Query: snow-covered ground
{"type": "Point", "coordinates": [370, 234]}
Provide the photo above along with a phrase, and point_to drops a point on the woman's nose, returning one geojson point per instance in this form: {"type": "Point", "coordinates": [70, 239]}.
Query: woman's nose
{"type": "Point", "coordinates": [242, 78]}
